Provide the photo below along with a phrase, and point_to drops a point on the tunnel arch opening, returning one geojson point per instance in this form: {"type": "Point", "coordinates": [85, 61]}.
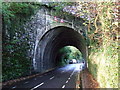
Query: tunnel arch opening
{"type": "Point", "coordinates": [50, 44]}
{"type": "Point", "coordinates": [69, 55]}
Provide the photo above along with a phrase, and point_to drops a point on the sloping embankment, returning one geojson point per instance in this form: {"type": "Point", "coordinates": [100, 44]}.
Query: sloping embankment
{"type": "Point", "coordinates": [87, 80]}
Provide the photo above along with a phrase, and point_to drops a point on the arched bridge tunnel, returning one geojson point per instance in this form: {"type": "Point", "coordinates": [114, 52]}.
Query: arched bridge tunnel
{"type": "Point", "coordinates": [50, 44]}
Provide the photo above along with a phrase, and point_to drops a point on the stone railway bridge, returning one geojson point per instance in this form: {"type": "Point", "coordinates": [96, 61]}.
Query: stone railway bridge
{"type": "Point", "coordinates": [49, 35]}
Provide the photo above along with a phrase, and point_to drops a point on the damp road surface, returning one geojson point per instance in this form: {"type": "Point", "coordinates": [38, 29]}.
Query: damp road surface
{"type": "Point", "coordinates": [64, 77]}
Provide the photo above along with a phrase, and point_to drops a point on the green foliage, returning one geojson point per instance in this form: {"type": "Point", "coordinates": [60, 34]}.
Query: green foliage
{"type": "Point", "coordinates": [57, 10]}
{"type": "Point", "coordinates": [60, 5]}
{"type": "Point", "coordinates": [103, 53]}
{"type": "Point", "coordinates": [16, 62]}
{"type": "Point", "coordinates": [15, 15]}
{"type": "Point", "coordinates": [68, 53]}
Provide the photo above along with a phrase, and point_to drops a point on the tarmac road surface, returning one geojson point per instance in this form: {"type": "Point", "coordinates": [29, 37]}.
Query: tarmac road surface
{"type": "Point", "coordinates": [64, 77]}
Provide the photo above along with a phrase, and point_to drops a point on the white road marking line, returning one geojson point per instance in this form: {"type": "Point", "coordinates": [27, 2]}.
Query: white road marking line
{"type": "Point", "coordinates": [26, 82]}
{"type": "Point", "coordinates": [62, 71]}
{"type": "Point", "coordinates": [37, 86]}
{"type": "Point", "coordinates": [63, 86]}
{"type": "Point", "coordinates": [66, 81]}
{"type": "Point", "coordinates": [14, 87]}
{"type": "Point", "coordinates": [69, 78]}
{"type": "Point", "coordinates": [72, 73]}
{"type": "Point", "coordinates": [51, 78]}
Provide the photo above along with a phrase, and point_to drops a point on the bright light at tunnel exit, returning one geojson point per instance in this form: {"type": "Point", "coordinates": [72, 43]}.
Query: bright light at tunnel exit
{"type": "Point", "coordinates": [70, 55]}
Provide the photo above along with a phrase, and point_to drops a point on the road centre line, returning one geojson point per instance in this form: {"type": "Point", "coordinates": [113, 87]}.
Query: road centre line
{"type": "Point", "coordinates": [63, 86]}
{"type": "Point", "coordinates": [71, 74]}
{"type": "Point", "coordinates": [52, 77]}
{"type": "Point", "coordinates": [69, 78]}
{"type": "Point", "coordinates": [14, 87]}
{"type": "Point", "coordinates": [37, 86]}
{"type": "Point", "coordinates": [66, 81]}
{"type": "Point", "coordinates": [26, 82]}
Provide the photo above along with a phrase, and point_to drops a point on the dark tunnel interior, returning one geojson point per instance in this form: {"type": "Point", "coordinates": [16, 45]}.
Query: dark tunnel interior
{"type": "Point", "coordinates": [52, 42]}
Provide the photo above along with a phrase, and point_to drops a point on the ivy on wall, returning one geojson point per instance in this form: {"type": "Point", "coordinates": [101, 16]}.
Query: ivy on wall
{"type": "Point", "coordinates": [15, 60]}
{"type": "Point", "coordinates": [103, 49]}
